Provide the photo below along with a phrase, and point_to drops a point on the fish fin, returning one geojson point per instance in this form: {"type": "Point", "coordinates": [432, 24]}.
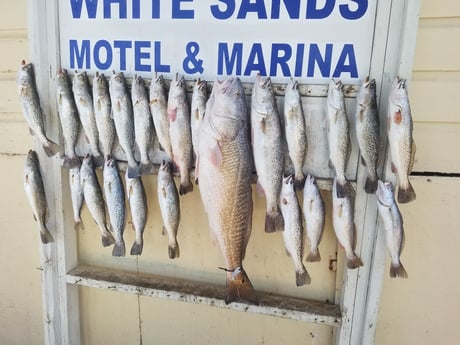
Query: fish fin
{"type": "Point", "coordinates": [412, 156]}
{"type": "Point", "coordinates": [388, 123]}
{"type": "Point", "coordinates": [133, 172]}
{"type": "Point", "coordinates": [173, 250]}
{"type": "Point", "coordinates": [145, 168]}
{"type": "Point", "coordinates": [314, 256]}
{"type": "Point", "coordinates": [107, 239]}
{"type": "Point", "coordinates": [302, 277]}
{"type": "Point", "coordinates": [299, 182]}
{"type": "Point", "coordinates": [354, 262]}
{"type": "Point", "coordinates": [398, 271]}
{"type": "Point", "coordinates": [260, 190]}
{"type": "Point", "coordinates": [406, 195]}
{"type": "Point", "coordinates": [71, 162]}
{"type": "Point", "coordinates": [397, 117]}
{"type": "Point", "coordinates": [288, 254]}
{"type": "Point", "coordinates": [363, 161]}
{"type": "Point", "coordinates": [335, 117]}
{"type": "Point", "coordinates": [371, 185]}
{"type": "Point", "coordinates": [117, 106]}
{"type": "Point", "coordinates": [216, 155]}
{"type": "Point", "coordinates": [51, 148]}
{"type": "Point", "coordinates": [163, 192]}
{"type": "Point", "coordinates": [35, 217]}
{"type": "Point", "coordinates": [197, 114]}
{"type": "Point", "coordinates": [263, 125]}
{"type": "Point", "coordinates": [46, 236]}
{"type": "Point", "coordinates": [31, 132]}
{"type": "Point", "coordinates": [172, 115]}
{"type": "Point", "coordinates": [330, 164]}
{"type": "Point", "coordinates": [394, 170]}
{"type": "Point", "coordinates": [344, 190]}
{"type": "Point", "coordinates": [185, 187]}
{"type": "Point", "coordinates": [79, 225]}
{"type": "Point", "coordinates": [136, 249]}
{"type": "Point", "coordinates": [274, 221]}
{"type": "Point", "coordinates": [197, 169]}
{"type": "Point", "coordinates": [98, 161]}
{"type": "Point", "coordinates": [247, 234]}
{"type": "Point", "coordinates": [240, 289]}
{"type": "Point", "coordinates": [119, 249]}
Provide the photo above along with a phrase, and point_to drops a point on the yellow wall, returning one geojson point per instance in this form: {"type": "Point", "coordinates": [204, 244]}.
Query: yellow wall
{"type": "Point", "coordinates": [415, 311]}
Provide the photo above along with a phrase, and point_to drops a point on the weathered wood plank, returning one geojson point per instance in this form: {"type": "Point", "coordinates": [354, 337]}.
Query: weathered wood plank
{"type": "Point", "coordinates": [203, 293]}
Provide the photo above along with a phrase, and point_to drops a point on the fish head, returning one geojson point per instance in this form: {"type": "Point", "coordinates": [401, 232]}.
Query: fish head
{"type": "Point", "coordinates": [385, 193]}
{"type": "Point", "coordinates": [117, 80]}
{"type": "Point", "coordinates": [335, 94]}
{"type": "Point", "coordinates": [165, 172]}
{"type": "Point", "coordinates": [363, 98]}
{"type": "Point", "coordinates": [25, 73]}
{"type": "Point", "coordinates": [177, 87]}
{"type": "Point", "coordinates": [200, 87]}
{"type": "Point", "coordinates": [287, 187]}
{"type": "Point", "coordinates": [398, 93]}
{"type": "Point", "coordinates": [99, 79]}
{"type": "Point", "coordinates": [31, 160]}
{"type": "Point", "coordinates": [80, 77]}
{"type": "Point", "coordinates": [263, 90]}
{"type": "Point", "coordinates": [310, 180]}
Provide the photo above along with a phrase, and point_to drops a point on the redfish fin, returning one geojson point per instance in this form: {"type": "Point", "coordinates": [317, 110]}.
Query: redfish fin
{"type": "Point", "coordinates": [239, 289]}
{"type": "Point", "coordinates": [302, 277]}
{"type": "Point", "coordinates": [46, 237]}
{"type": "Point", "coordinates": [313, 256]}
{"type": "Point", "coordinates": [406, 195]}
{"type": "Point", "coordinates": [354, 262]}
{"type": "Point", "coordinates": [370, 186]}
{"type": "Point", "coordinates": [274, 221]}
{"type": "Point", "coordinates": [398, 271]}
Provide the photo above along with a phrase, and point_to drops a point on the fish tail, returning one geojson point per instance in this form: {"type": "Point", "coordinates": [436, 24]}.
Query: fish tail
{"type": "Point", "coordinates": [71, 162]}
{"type": "Point", "coordinates": [107, 239]}
{"type": "Point", "coordinates": [406, 195]}
{"type": "Point", "coordinates": [239, 288]}
{"type": "Point", "coordinates": [133, 171]}
{"type": "Point", "coordinates": [302, 277]}
{"type": "Point", "coordinates": [46, 236]}
{"type": "Point", "coordinates": [137, 247]}
{"type": "Point", "coordinates": [299, 181]}
{"type": "Point", "coordinates": [398, 271]}
{"type": "Point", "coordinates": [145, 168]}
{"type": "Point", "coordinates": [354, 262]}
{"type": "Point", "coordinates": [274, 221]}
{"type": "Point", "coordinates": [98, 161]}
{"type": "Point", "coordinates": [51, 148]}
{"type": "Point", "coordinates": [173, 250]}
{"type": "Point", "coordinates": [185, 187]}
{"type": "Point", "coordinates": [313, 256]}
{"type": "Point", "coordinates": [344, 189]}
{"type": "Point", "coordinates": [371, 185]}
{"type": "Point", "coordinates": [119, 249]}
{"type": "Point", "coordinates": [78, 225]}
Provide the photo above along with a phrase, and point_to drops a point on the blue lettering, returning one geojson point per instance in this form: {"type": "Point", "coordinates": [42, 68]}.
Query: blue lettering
{"type": "Point", "coordinates": [223, 14]}
{"type": "Point", "coordinates": [256, 54]}
{"type": "Point", "coordinates": [299, 60]}
{"type": "Point", "coordinates": [358, 13]}
{"type": "Point", "coordinates": [319, 13]}
{"type": "Point", "coordinates": [97, 55]}
{"type": "Point", "coordinates": [281, 60]}
{"type": "Point", "coordinates": [247, 6]}
{"type": "Point", "coordinates": [122, 6]}
{"type": "Point", "coordinates": [136, 8]}
{"type": "Point", "coordinates": [158, 66]}
{"type": "Point", "coordinates": [315, 56]}
{"type": "Point", "coordinates": [91, 8]}
{"type": "Point", "coordinates": [292, 7]}
{"type": "Point", "coordinates": [179, 13]}
{"type": "Point", "coordinates": [139, 55]}
{"type": "Point", "coordinates": [348, 53]}
{"type": "Point", "coordinates": [155, 9]}
{"type": "Point", "coordinates": [122, 45]}
{"type": "Point", "coordinates": [229, 62]}
{"type": "Point", "coordinates": [81, 56]}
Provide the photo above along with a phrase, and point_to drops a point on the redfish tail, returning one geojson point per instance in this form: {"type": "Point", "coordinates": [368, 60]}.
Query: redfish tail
{"type": "Point", "coordinates": [398, 271]}
{"type": "Point", "coordinates": [406, 195]}
{"type": "Point", "coordinates": [46, 236]}
{"type": "Point", "coordinates": [239, 288]}
{"type": "Point", "coordinates": [274, 221]}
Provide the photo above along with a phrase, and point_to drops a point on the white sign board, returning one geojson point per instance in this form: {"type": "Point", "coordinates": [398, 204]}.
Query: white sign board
{"type": "Point", "coordinates": [311, 40]}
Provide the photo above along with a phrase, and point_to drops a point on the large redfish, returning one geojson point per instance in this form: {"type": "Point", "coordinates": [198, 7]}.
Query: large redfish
{"type": "Point", "coordinates": [224, 171]}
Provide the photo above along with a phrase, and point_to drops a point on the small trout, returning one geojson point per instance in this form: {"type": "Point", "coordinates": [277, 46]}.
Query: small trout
{"type": "Point", "coordinates": [314, 213]}
{"type": "Point", "coordinates": [135, 193]}
{"type": "Point", "coordinates": [77, 196]}
{"type": "Point", "coordinates": [198, 108]}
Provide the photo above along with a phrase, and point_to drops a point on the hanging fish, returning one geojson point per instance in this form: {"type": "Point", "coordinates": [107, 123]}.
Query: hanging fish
{"type": "Point", "coordinates": [77, 196]}
{"type": "Point", "coordinates": [314, 213]}
{"type": "Point", "coordinates": [198, 108]}
{"type": "Point", "coordinates": [31, 109]}
{"type": "Point", "coordinates": [135, 194]}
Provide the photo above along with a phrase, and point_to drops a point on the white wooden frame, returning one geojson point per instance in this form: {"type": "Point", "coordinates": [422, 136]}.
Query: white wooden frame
{"type": "Point", "coordinates": [392, 54]}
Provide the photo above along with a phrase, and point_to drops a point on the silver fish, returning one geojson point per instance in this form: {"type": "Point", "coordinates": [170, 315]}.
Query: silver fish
{"type": "Point", "coordinates": [224, 169]}
{"type": "Point", "coordinates": [295, 131]}
{"type": "Point", "coordinates": [344, 227]}
{"type": "Point", "coordinates": [168, 198]}
{"type": "Point", "coordinates": [402, 145]}
{"type": "Point", "coordinates": [338, 136]}
{"type": "Point", "coordinates": [393, 226]}
{"type": "Point", "coordinates": [143, 125]}
{"type": "Point", "coordinates": [367, 131]}
{"type": "Point", "coordinates": [159, 111]}
{"type": "Point", "coordinates": [31, 109]}
{"type": "Point", "coordinates": [77, 196]}
{"type": "Point", "coordinates": [35, 192]}
{"type": "Point", "coordinates": [198, 108]}
{"type": "Point", "coordinates": [314, 213]}
{"type": "Point", "coordinates": [68, 116]}
{"type": "Point", "coordinates": [115, 199]}
{"type": "Point", "coordinates": [293, 234]}
{"type": "Point", "coordinates": [93, 198]}
{"type": "Point", "coordinates": [180, 132]}
{"type": "Point", "coordinates": [103, 114]}
{"type": "Point", "coordinates": [84, 101]}
{"type": "Point", "coordinates": [135, 193]}
{"type": "Point", "coordinates": [122, 112]}
{"type": "Point", "coordinates": [267, 147]}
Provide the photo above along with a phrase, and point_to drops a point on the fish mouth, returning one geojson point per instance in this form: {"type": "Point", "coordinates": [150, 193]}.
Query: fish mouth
{"type": "Point", "coordinates": [225, 84]}
{"type": "Point", "coordinates": [310, 179]}
{"type": "Point", "coordinates": [289, 179]}
{"type": "Point", "coordinates": [165, 166]}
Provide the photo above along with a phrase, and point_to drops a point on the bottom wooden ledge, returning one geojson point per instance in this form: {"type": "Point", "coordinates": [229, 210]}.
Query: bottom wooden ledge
{"type": "Point", "coordinates": [203, 293]}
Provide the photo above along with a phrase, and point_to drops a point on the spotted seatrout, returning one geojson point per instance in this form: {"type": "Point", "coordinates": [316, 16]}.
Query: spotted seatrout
{"type": "Point", "coordinates": [314, 213]}
{"type": "Point", "coordinates": [31, 109]}
{"type": "Point", "coordinates": [393, 226]}
{"type": "Point", "coordinates": [198, 108]}
{"type": "Point", "coordinates": [77, 196]}
{"type": "Point", "coordinates": [225, 172]}
{"type": "Point", "coordinates": [35, 192]}
{"type": "Point", "coordinates": [402, 146]}
{"type": "Point", "coordinates": [135, 194]}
